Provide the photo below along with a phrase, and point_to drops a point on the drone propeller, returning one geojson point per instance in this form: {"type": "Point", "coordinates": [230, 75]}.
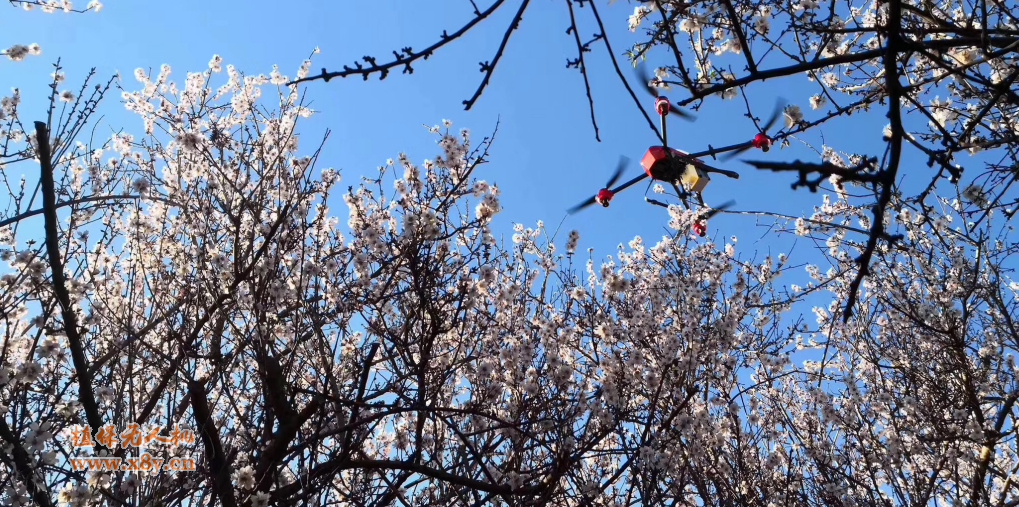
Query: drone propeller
{"type": "Point", "coordinates": [716, 210]}
{"type": "Point", "coordinates": [620, 167]}
{"type": "Point", "coordinates": [700, 226]}
{"type": "Point", "coordinates": [605, 194]}
{"type": "Point", "coordinates": [645, 80]}
{"type": "Point", "coordinates": [761, 141]}
{"type": "Point", "coordinates": [626, 185]}
{"type": "Point", "coordinates": [779, 107]}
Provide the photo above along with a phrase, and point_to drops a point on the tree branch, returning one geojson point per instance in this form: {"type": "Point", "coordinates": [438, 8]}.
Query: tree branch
{"type": "Point", "coordinates": [23, 466]}
{"type": "Point", "coordinates": [827, 62]}
{"type": "Point", "coordinates": [49, 202]}
{"type": "Point", "coordinates": [877, 227]}
{"type": "Point", "coordinates": [218, 466]}
{"type": "Point", "coordinates": [619, 72]}
{"type": "Point", "coordinates": [581, 49]}
{"type": "Point", "coordinates": [356, 409]}
{"type": "Point", "coordinates": [669, 36]}
{"type": "Point", "coordinates": [408, 58]}
{"type": "Point", "coordinates": [735, 21]}
{"type": "Point", "coordinates": [488, 68]}
{"type": "Point", "coordinates": [73, 202]}
{"type": "Point", "coordinates": [856, 174]}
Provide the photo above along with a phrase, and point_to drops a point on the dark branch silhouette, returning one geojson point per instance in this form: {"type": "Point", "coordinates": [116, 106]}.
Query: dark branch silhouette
{"type": "Point", "coordinates": [405, 57]}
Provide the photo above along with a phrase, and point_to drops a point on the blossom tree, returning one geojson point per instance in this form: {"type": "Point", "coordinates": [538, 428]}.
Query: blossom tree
{"type": "Point", "coordinates": [949, 67]}
{"type": "Point", "coordinates": [198, 280]}
{"type": "Point", "coordinates": [194, 277]}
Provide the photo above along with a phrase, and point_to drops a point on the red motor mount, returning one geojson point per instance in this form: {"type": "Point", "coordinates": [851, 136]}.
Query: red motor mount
{"type": "Point", "coordinates": [604, 196]}
{"type": "Point", "coordinates": [662, 105]}
{"type": "Point", "coordinates": [761, 141]}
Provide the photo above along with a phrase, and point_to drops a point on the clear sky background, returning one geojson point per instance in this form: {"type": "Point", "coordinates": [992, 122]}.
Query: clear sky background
{"type": "Point", "coordinates": [545, 158]}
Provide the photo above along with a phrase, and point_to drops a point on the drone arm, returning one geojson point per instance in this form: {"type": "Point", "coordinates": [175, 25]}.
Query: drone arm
{"type": "Point", "coordinates": [665, 134]}
{"type": "Point", "coordinates": [622, 187]}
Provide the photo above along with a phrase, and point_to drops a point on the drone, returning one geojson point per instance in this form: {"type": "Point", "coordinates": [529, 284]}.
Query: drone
{"type": "Point", "coordinates": [662, 163]}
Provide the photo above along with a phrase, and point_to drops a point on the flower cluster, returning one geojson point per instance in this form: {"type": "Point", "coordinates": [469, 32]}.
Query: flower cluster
{"type": "Point", "coordinates": [18, 52]}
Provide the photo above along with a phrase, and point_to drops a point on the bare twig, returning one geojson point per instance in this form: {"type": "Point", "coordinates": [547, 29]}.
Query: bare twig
{"type": "Point", "coordinates": [406, 57]}
{"type": "Point", "coordinates": [487, 67]}
{"type": "Point", "coordinates": [619, 71]}
{"type": "Point", "coordinates": [581, 49]}
{"type": "Point", "coordinates": [735, 21]}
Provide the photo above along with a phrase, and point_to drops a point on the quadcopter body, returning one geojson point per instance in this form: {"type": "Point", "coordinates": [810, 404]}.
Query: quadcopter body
{"type": "Point", "coordinates": [669, 164]}
{"type": "Point", "coordinates": [662, 164]}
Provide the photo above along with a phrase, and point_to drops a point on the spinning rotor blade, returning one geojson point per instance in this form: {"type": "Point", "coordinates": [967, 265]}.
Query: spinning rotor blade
{"type": "Point", "coordinates": [622, 187]}
{"type": "Point", "coordinates": [779, 107]}
{"type": "Point", "coordinates": [645, 80]}
{"type": "Point", "coordinates": [620, 167]}
{"type": "Point", "coordinates": [728, 156]}
{"type": "Point", "coordinates": [581, 206]}
{"type": "Point", "coordinates": [775, 115]}
{"type": "Point", "coordinates": [728, 204]}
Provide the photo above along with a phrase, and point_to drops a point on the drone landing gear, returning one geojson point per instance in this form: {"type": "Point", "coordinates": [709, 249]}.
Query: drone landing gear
{"type": "Point", "coordinates": [656, 203]}
{"type": "Point", "coordinates": [680, 193]}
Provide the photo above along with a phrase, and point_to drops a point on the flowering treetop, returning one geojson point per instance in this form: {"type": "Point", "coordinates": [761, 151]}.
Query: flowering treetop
{"type": "Point", "coordinates": [194, 275]}
{"type": "Point", "coordinates": [950, 67]}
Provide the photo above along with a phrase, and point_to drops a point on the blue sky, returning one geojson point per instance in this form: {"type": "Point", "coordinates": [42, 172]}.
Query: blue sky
{"type": "Point", "coordinates": [545, 158]}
